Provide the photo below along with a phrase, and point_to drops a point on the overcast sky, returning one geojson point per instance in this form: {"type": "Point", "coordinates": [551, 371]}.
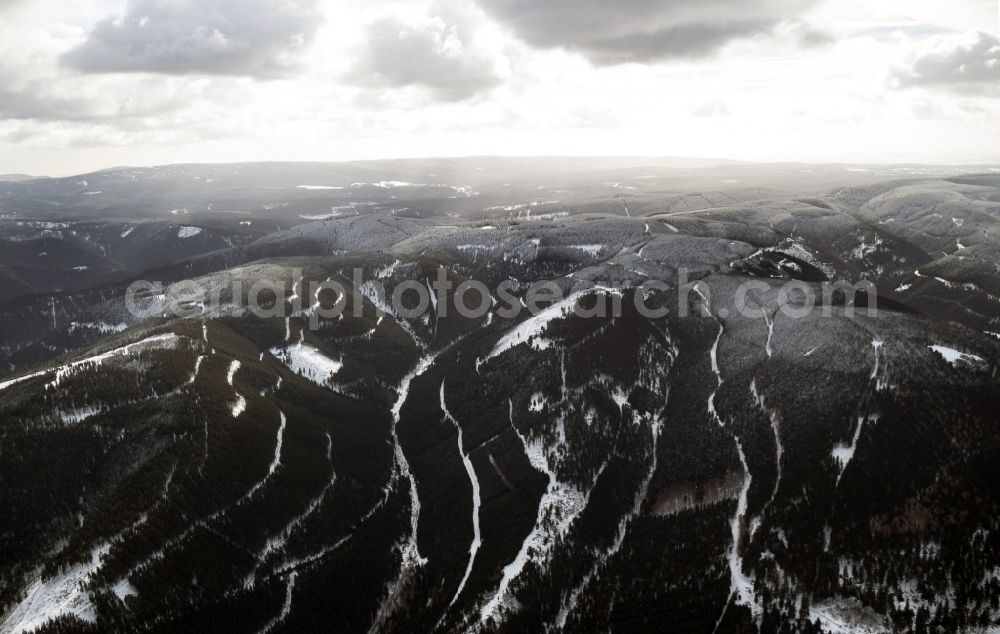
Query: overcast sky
{"type": "Point", "coordinates": [95, 83]}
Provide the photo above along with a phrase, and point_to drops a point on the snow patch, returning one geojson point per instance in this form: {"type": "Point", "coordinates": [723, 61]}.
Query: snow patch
{"type": "Point", "coordinates": [61, 595]}
{"type": "Point", "coordinates": [309, 362]}
{"type": "Point", "coordinates": [531, 329]}
{"type": "Point", "coordinates": [100, 326]}
{"type": "Point", "coordinates": [844, 453]}
{"type": "Point", "coordinates": [846, 617]}
{"type": "Point", "coordinates": [538, 402]}
{"type": "Point", "coordinates": [954, 357]}
{"type": "Point", "coordinates": [387, 271]}
{"type": "Point", "coordinates": [591, 249]}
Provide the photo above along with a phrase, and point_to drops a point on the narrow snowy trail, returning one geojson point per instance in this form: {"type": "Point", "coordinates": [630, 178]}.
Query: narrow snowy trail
{"type": "Point", "coordinates": [411, 558]}
{"type": "Point", "coordinates": [476, 501]}
{"type": "Point", "coordinates": [561, 502]}
{"type": "Point", "coordinates": [769, 319]}
{"type": "Point", "coordinates": [402, 465]}
{"type": "Point", "coordinates": [240, 405]}
{"type": "Point", "coordinates": [373, 295]}
{"type": "Point", "coordinates": [286, 608]}
{"type": "Point", "coordinates": [277, 543]}
{"type": "Point", "coordinates": [294, 299]}
{"type": "Point", "coordinates": [275, 462]}
{"type": "Point", "coordinates": [401, 468]}
{"type": "Point", "coordinates": [878, 346]}
{"type": "Point", "coordinates": [197, 370]}
{"type": "Point", "coordinates": [297, 565]}
{"type": "Point", "coordinates": [741, 585]}
{"type": "Point", "coordinates": [434, 306]}
{"type": "Point", "coordinates": [844, 454]}
{"type": "Point", "coordinates": [775, 420]}
{"type": "Point", "coordinates": [655, 382]}
{"type": "Point", "coordinates": [165, 341]}
{"type": "Point", "coordinates": [714, 354]}
{"type": "Point", "coordinates": [205, 522]}
{"type": "Point", "coordinates": [602, 557]}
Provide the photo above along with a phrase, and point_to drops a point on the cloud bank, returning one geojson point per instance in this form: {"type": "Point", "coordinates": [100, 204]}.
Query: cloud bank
{"type": "Point", "coordinates": [259, 38]}
{"type": "Point", "coordinates": [623, 31]}
{"type": "Point", "coordinates": [965, 63]}
{"type": "Point", "coordinates": [432, 54]}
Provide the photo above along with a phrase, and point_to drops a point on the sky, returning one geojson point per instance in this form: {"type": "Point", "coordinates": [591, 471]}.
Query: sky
{"type": "Point", "coordinates": [98, 83]}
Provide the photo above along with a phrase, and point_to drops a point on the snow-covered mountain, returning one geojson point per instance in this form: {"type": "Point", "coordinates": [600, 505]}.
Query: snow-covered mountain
{"type": "Point", "coordinates": [707, 469]}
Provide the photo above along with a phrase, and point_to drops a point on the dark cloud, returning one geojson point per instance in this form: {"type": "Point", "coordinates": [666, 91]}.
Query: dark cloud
{"type": "Point", "coordinates": [20, 100]}
{"type": "Point", "coordinates": [622, 31]}
{"type": "Point", "coordinates": [261, 38]}
{"type": "Point", "coordinates": [970, 63]}
{"type": "Point", "coordinates": [430, 55]}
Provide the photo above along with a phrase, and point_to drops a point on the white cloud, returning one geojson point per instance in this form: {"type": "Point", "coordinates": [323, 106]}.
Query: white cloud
{"type": "Point", "coordinates": [967, 63]}
{"type": "Point", "coordinates": [641, 30]}
{"type": "Point", "coordinates": [438, 54]}
{"type": "Point", "coordinates": [445, 77]}
{"type": "Point", "coordinates": [261, 38]}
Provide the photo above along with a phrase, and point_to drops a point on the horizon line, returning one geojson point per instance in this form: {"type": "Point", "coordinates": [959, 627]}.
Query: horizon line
{"type": "Point", "coordinates": [710, 162]}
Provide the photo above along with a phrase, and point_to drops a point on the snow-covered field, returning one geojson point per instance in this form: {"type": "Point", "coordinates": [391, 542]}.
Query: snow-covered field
{"type": "Point", "coordinates": [309, 362]}
{"type": "Point", "coordinates": [844, 453]}
{"type": "Point", "coordinates": [846, 617]}
{"type": "Point", "coordinates": [61, 595]}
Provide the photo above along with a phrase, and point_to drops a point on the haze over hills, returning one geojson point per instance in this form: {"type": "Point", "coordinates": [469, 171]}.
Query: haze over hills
{"type": "Point", "coordinates": [708, 468]}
